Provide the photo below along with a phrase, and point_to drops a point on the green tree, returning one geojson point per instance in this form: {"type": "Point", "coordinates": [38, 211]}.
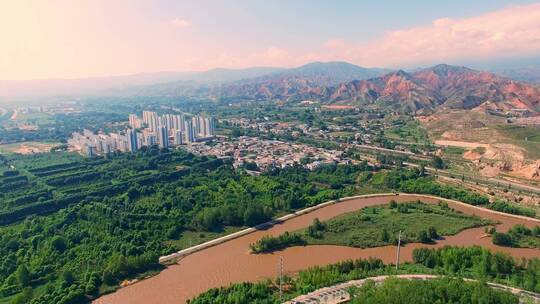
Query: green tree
{"type": "Point", "coordinates": [438, 162]}
{"type": "Point", "coordinates": [59, 243]}
{"type": "Point", "coordinates": [23, 275]}
{"type": "Point", "coordinates": [385, 236]}
{"type": "Point", "coordinates": [502, 239]}
{"type": "Point", "coordinates": [432, 232]}
{"type": "Point", "coordinates": [68, 277]}
{"type": "Point", "coordinates": [423, 237]}
{"type": "Point", "coordinates": [24, 297]}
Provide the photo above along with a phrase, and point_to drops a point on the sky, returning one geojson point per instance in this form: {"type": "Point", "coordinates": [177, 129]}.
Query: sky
{"type": "Point", "coordinates": [80, 38]}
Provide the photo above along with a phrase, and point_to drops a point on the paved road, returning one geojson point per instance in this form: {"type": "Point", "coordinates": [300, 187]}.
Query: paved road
{"type": "Point", "coordinates": [486, 181]}
{"type": "Point", "coordinates": [339, 293]}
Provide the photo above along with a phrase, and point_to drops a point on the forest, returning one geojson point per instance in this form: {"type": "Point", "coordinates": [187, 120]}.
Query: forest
{"type": "Point", "coordinates": [77, 227]}
{"type": "Point", "coordinates": [72, 228]}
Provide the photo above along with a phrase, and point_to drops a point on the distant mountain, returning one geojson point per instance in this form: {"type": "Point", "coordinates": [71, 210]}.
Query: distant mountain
{"type": "Point", "coordinates": [263, 81]}
{"type": "Point", "coordinates": [229, 75]}
{"type": "Point", "coordinates": [310, 80]}
{"type": "Point", "coordinates": [440, 86]}
{"type": "Point", "coordinates": [528, 74]}
{"type": "Point", "coordinates": [117, 84]}
{"type": "Point", "coordinates": [325, 73]}
{"type": "Point", "coordinates": [424, 90]}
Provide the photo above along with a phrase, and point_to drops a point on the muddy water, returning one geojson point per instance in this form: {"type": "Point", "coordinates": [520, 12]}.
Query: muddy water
{"type": "Point", "coordinates": [231, 262]}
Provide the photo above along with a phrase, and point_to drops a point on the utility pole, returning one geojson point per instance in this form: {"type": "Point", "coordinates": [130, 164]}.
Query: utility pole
{"type": "Point", "coordinates": [398, 247]}
{"type": "Point", "coordinates": [281, 279]}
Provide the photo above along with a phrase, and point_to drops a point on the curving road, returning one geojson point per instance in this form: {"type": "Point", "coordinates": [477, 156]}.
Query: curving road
{"type": "Point", "coordinates": [339, 293]}
{"type": "Point", "coordinates": [231, 261]}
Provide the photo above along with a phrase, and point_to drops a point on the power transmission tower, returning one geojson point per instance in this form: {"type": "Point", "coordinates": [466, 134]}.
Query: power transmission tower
{"type": "Point", "coordinates": [281, 279]}
{"type": "Point", "coordinates": [398, 248]}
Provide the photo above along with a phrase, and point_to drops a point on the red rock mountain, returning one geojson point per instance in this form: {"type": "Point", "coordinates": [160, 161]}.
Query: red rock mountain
{"type": "Point", "coordinates": [441, 86]}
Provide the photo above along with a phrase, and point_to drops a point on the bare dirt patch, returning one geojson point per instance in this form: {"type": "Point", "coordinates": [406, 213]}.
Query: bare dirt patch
{"type": "Point", "coordinates": [472, 155]}
{"type": "Point", "coordinates": [489, 170]}
{"type": "Point", "coordinates": [494, 147]}
{"type": "Point", "coordinates": [27, 148]}
{"type": "Point", "coordinates": [461, 144]}
{"type": "Point", "coordinates": [531, 171]}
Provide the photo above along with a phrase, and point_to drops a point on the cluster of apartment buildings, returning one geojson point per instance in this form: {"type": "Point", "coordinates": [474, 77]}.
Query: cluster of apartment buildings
{"type": "Point", "coordinates": [149, 130]}
{"type": "Point", "coordinates": [267, 153]}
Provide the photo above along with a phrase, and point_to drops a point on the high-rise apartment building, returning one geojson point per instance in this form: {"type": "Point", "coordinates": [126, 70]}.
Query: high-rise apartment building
{"type": "Point", "coordinates": [134, 121]}
{"type": "Point", "coordinates": [131, 138]}
{"type": "Point", "coordinates": [189, 132]}
{"type": "Point", "coordinates": [150, 139]}
{"type": "Point", "coordinates": [178, 137]}
{"type": "Point", "coordinates": [151, 119]}
{"type": "Point", "coordinates": [163, 136]}
{"type": "Point", "coordinates": [209, 126]}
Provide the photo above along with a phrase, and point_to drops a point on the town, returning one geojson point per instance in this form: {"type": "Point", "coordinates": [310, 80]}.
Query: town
{"type": "Point", "coordinates": [171, 130]}
{"type": "Point", "coordinates": [257, 154]}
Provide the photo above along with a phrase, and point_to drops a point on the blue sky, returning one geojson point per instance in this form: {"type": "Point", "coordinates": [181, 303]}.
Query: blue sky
{"type": "Point", "coordinates": [305, 22]}
{"type": "Point", "coordinates": [82, 38]}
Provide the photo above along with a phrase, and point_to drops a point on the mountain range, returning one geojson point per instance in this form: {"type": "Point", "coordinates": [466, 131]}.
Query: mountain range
{"type": "Point", "coordinates": [425, 90]}
{"type": "Point", "coordinates": [529, 74]}
{"type": "Point", "coordinates": [106, 85]}
{"type": "Point", "coordinates": [440, 86]}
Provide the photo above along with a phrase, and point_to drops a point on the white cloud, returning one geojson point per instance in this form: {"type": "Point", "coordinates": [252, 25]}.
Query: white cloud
{"type": "Point", "coordinates": [180, 23]}
{"type": "Point", "coordinates": [513, 31]}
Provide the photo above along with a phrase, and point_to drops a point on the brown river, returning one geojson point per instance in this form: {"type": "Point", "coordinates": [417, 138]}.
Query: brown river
{"type": "Point", "coordinates": [231, 261]}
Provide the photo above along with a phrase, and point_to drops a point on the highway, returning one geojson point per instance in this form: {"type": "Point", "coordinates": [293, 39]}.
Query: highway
{"type": "Point", "coordinates": [339, 293]}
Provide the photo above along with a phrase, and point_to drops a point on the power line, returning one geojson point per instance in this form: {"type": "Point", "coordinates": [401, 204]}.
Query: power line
{"type": "Point", "coordinates": [281, 279]}
{"type": "Point", "coordinates": [398, 248]}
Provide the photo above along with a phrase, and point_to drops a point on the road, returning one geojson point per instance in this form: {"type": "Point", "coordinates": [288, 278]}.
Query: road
{"type": "Point", "coordinates": [339, 293]}
{"type": "Point", "coordinates": [485, 181]}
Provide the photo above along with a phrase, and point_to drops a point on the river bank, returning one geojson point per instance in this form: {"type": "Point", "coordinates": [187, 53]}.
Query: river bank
{"type": "Point", "coordinates": [230, 261]}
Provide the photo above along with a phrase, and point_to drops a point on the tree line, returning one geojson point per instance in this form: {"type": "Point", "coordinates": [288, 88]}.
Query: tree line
{"type": "Point", "coordinates": [454, 262]}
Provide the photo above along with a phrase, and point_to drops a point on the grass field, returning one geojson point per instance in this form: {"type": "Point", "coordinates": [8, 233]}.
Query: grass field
{"type": "Point", "coordinates": [517, 132]}
{"type": "Point", "coordinates": [410, 131]}
{"type": "Point", "coordinates": [365, 228]}
{"type": "Point", "coordinates": [526, 137]}
{"type": "Point", "coordinates": [35, 118]}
